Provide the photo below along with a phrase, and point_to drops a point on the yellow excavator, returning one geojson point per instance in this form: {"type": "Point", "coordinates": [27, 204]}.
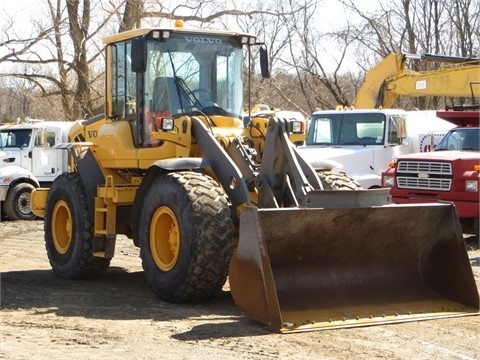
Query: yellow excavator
{"type": "Point", "coordinates": [171, 165]}
{"type": "Point", "coordinates": [391, 78]}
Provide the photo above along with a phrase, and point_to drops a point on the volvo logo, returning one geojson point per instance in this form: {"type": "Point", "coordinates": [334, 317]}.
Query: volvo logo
{"type": "Point", "coordinates": [203, 40]}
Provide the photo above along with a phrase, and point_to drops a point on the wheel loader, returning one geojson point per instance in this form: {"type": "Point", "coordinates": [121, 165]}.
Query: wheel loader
{"type": "Point", "coordinates": [171, 165]}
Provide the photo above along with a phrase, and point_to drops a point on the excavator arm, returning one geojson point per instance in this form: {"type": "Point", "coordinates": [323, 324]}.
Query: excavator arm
{"type": "Point", "coordinates": [391, 78]}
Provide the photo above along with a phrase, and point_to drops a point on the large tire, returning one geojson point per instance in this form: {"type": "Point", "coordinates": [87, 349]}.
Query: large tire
{"type": "Point", "coordinates": [331, 181]}
{"type": "Point", "coordinates": [17, 203]}
{"type": "Point", "coordinates": [186, 237]}
{"type": "Point", "coordinates": [69, 231]}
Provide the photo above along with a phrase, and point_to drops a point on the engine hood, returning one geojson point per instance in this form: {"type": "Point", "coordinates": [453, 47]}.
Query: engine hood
{"type": "Point", "coordinates": [451, 155]}
{"type": "Point", "coordinates": [352, 159]}
{"type": "Point", "coordinates": [8, 157]}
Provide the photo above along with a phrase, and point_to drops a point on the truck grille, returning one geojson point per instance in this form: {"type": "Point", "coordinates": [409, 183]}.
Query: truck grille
{"type": "Point", "coordinates": [404, 182]}
{"type": "Point", "coordinates": [424, 175]}
{"type": "Point", "coordinates": [431, 168]}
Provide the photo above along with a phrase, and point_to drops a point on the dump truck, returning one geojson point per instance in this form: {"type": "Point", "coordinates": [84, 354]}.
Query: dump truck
{"type": "Point", "coordinates": [27, 161]}
{"type": "Point", "coordinates": [171, 166]}
{"type": "Point", "coordinates": [450, 173]}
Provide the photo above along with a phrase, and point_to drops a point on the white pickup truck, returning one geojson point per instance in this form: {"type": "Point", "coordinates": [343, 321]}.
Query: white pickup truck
{"type": "Point", "coordinates": [27, 161]}
{"type": "Point", "coordinates": [361, 143]}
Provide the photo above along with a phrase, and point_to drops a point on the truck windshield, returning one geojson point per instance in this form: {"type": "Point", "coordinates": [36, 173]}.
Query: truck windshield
{"type": "Point", "coordinates": [466, 139]}
{"type": "Point", "coordinates": [346, 129]}
{"type": "Point", "coordinates": [190, 73]}
{"type": "Point", "coordinates": [15, 138]}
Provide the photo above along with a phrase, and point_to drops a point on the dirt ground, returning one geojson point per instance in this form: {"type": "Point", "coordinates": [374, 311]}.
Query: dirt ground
{"type": "Point", "coordinates": [118, 317]}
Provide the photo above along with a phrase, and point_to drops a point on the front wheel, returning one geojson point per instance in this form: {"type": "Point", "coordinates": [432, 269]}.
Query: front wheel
{"type": "Point", "coordinates": [17, 203]}
{"type": "Point", "coordinates": [69, 231]}
{"type": "Point", "coordinates": [186, 237]}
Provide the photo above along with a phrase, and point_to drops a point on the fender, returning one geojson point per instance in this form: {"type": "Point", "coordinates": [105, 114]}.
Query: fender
{"type": "Point", "coordinates": [13, 174]}
{"type": "Point", "coordinates": [88, 168]}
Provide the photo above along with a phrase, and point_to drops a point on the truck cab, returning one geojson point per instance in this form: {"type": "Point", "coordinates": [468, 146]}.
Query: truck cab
{"type": "Point", "coordinates": [361, 143]}
{"type": "Point", "coordinates": [27, 161]}
{"type": "Point", "coordinates": [450, 173]}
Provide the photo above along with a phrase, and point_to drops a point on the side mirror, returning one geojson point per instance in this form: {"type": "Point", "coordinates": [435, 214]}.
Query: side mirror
{"type": "Point", "coordinates": [264, 66]}
{"type": "Point", "coordinates": [139, 55]}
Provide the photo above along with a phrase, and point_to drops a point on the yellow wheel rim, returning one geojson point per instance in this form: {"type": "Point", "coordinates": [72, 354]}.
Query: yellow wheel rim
{"type": "Point", "coordinates": [164, 238]}
{"type": "Point", "coordinates": [61, 227]}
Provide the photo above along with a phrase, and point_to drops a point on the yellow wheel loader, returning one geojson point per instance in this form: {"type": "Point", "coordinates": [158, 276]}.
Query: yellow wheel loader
{"type": "Point", "coordinates": [171, 166]}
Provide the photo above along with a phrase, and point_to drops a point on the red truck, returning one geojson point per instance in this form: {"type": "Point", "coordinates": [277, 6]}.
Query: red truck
{"type": "Point", "coordinates": [451, 172]}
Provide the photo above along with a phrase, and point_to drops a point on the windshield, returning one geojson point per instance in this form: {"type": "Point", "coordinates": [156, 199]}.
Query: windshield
{"type": "Point", "coordinates": [15, 138]}
{"type": "Point", "coordinates": [188, 74]}
{"type": "Point", "coordinates": [460, 139]}
{"type": "Point", "coordinates": [346, 129]}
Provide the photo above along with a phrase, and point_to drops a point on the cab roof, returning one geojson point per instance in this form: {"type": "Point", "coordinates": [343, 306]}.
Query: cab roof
{"type": "Point", "coordinates": [131, 34]}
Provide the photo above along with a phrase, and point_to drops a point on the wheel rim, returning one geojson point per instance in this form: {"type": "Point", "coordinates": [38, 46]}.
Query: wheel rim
{"type": "Point", "coordinates": [61, 227]}
{"type": "Point", "coordinates": [23, 203]}
{"type": "Point", "coordinates": [164, 238]}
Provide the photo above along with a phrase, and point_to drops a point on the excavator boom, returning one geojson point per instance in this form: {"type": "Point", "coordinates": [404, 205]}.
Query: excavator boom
{"type": "Point", "coordinates": [391, 78]}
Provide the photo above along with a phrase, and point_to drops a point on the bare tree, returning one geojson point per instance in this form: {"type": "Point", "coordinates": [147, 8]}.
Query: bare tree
{"type": "Point", "coordinates": [72, 45]}
{"type": "Point", "coordinates": [61, 59]}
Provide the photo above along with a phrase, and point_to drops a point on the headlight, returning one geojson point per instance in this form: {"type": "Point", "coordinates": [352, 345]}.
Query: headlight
{"type": "Point", "coordinates": [297, 127]}
{"type": "Point", "coordinates": [5, 180]}
{"type": "Point", "coordinates": [167, 124]}
{"type": "Point", "coordinates": [388, 181]}
{"type": "Point", "coordinates": [471, 185]}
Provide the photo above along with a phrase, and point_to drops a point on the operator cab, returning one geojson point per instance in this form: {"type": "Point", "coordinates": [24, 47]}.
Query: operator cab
{"type": "Point", "coordinates": [161, 75]}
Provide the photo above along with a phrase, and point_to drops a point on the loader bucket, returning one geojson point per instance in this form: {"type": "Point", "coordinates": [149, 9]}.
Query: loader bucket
{"type": "Point", "coordinates": [301, 269]}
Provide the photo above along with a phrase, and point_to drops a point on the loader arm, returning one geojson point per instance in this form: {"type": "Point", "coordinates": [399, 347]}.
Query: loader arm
{"type": "Point", "coordinates": [285, 177]}
{"type": "Point", "coordinates": [225, 169]}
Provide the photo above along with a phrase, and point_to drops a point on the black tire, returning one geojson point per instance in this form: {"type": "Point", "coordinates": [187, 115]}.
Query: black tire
{"type": "Point", "coordinates": [17, 203]}
{"type": "Point", "coordinates": [186, 237]}
{"type": "Point", "coordinates": [331, 181]}
{"type": "Point", "coordinates": [69, 231]}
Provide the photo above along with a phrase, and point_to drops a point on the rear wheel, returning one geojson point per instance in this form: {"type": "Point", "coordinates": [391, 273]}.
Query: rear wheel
{"type": "Point", "coordinates": [331, 181]}
{"type": "Point", "coordinates": [69, 231]}
{"type": "Point", "coordinates": [186, 237]}
{"type": "Point", "coordinates": [17, 204]}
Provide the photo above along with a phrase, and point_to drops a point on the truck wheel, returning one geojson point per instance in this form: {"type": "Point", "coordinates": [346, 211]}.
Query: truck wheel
{"type": "Point", "coordinates": [331, 181]}
{"type": "Point", "coordinates": [186, 237]}
{"type": "Point", "coordinates": [17, 203]}
{"type": "Point", "coordinates": [69, 231]}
